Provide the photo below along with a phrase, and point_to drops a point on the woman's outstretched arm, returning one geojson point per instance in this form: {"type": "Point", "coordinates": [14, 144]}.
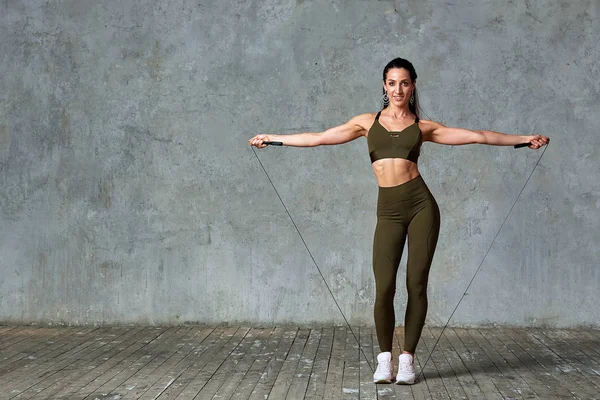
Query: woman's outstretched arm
{"type": "Point", "coordinates": [351, 130]}
{"type": "Point", "coordinates": [439, 133]}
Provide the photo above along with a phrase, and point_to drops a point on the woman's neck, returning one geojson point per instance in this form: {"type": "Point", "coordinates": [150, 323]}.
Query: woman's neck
{"type": "Point", "coordinates": [398, 112]}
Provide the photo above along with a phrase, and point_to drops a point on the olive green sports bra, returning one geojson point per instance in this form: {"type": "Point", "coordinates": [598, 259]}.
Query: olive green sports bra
{"type": "Point", "coordinates": [404, 144]}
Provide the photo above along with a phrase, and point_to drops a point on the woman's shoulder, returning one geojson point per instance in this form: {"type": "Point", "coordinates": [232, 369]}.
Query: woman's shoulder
{"type": "Point", "coordinates": [427, 126]}
{"type": "Point", "coordinates": [365, 120]}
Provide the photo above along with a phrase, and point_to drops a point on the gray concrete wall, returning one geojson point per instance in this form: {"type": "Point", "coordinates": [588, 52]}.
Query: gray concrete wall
{"type": "Point", "coordinates": [129, 193]}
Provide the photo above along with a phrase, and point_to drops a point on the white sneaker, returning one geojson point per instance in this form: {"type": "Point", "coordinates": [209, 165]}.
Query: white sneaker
{"type": "Point", "coordinates": [385, 369]}
{"type": "Point", "coordinates": [406, 370]}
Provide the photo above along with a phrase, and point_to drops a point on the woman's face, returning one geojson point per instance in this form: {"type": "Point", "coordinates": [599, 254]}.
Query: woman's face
{"type": "Point", "coordinates": [398, 86]}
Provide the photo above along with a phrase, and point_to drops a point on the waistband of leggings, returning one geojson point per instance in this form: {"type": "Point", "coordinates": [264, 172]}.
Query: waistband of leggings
{"type": "Point", "coordinates": [415, 189]}
{"type": "Point", "coordinates": [406, 187]}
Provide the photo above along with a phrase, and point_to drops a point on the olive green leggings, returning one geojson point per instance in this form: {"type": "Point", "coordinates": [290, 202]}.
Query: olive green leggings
{"type": "Point", "coordinates": [406, 209]}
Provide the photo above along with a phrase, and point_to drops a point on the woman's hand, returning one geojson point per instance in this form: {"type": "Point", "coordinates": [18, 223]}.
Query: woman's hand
{"type": "Point", "coordinates": [537, 141]}
{"type": "Point", "coordinates": [258, 141]}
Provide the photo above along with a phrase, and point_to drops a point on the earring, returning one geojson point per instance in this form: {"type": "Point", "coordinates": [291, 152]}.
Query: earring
{"type": "Point", "coordinates": [412, 98]}
{"type": "Point", "coordinates": [386, 99]}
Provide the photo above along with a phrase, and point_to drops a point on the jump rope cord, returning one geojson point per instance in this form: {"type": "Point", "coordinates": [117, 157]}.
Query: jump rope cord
{"type": "Point", "coordinates": [459, 301]}
{"type": "Point", "coordinates": [313, 259]}
{"type": "Point", "coordinates": [480, 264]}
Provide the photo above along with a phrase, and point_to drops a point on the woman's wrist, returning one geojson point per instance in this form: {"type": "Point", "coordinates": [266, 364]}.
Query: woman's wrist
{"type": "Point", "coordinates": [276, 138]}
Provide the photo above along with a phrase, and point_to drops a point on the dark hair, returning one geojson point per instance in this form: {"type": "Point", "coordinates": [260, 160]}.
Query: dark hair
{"type": "Point", "coordinates": [402, 63]}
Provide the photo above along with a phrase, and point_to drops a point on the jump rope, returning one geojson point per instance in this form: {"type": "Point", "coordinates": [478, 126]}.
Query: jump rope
{"type": "Point", "coordinates": [517, 146]}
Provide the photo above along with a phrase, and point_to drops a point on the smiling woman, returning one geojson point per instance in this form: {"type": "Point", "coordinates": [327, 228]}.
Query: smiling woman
{"type": "Point", "coordinates": [405, 206]}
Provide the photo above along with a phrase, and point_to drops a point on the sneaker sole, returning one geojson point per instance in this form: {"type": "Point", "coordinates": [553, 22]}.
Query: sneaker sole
{"type": "Point", "coordinates": [405, 382]}
{"type": "Point", "coordinates": [383, 381]}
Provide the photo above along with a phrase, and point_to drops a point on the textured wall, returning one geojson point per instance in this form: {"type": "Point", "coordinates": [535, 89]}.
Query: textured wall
{"type": "Point", "coordinates": [129, 193]}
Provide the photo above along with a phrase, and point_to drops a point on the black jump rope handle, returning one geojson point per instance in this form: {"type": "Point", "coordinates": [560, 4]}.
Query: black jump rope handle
{"type": "Point", "coordinates": [518, 146]}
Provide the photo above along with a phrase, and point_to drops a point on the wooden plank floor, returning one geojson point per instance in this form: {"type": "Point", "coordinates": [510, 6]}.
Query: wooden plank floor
{"type": "Point", "coordinates": [288, 362]}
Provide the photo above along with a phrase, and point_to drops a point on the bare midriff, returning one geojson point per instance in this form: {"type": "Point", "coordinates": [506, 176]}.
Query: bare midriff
{"type": "Point", "coordinates": [394, 171]}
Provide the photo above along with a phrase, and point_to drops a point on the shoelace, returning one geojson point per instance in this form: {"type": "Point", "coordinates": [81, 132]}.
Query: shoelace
{"type": "Point", "coordinates": [383, 366]}
{"type": "Point", "coordinates": [406, 366]}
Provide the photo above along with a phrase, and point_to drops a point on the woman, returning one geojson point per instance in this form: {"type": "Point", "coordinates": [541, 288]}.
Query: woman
{"type": "Point", "coordinates": [405, 206]}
